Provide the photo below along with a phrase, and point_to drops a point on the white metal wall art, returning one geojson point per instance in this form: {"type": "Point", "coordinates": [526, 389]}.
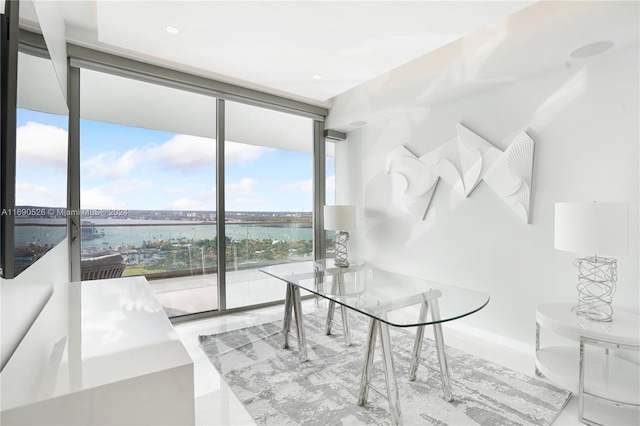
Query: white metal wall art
{"type": "Point", "coordinates": [463, 162]}
{"type": "Point", "coordinates": [421, 182]}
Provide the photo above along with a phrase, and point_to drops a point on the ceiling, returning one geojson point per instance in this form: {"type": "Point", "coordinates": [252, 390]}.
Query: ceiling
{"type": "Point", "coordinates": [441, 50]}
{"type": "Point", "coordinates": [306, 50]}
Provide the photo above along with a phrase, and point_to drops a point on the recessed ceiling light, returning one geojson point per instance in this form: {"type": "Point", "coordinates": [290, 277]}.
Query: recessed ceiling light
{"type": "Point", "coordinates": [316, 76]}
{"type": "Point", "coordinates": [172, 30]}
{"type": "Point", "coordinates": [591, 49]}
{"type": "Point", "coordinates": [358, 123]}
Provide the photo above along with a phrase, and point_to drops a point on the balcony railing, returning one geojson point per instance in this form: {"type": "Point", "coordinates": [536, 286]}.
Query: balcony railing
{"type": "Point", "coordinates": [182, 249]}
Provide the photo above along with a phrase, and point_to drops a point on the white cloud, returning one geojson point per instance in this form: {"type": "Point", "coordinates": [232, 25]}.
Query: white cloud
{"type": "Point", "coordinates": [108, 196]}
{"type": "Point", "coordinates": [209, 192]}
{"type": "Point", "coordinates": [305, 186]}
{"type": "Point", "coordinates": [125, 186]}
{"type": "Point", "coordinates": [242, 187]}
{"type": "Point", "coordinates": [98, 198]}
{"type": "Point", "coordinates": [42, 144]}
{"type": "Point", "coordinates": [110, 165]}
{"type": "Point", "coordinates": [184, 152]}
{"type": "Point", "coordinates": [246, 201]}
{"type": "Point", "coordinates": [171, 190]}
{"type": "Point", "coordinates": [190, 204]}
{"type": "Point", "coordinates": [181, 152]}
{"type": "Point", "coordinates": [204, 200]}
{"type": "Point", "coordinates": [28, 194]}
{"type": "Point", "coordinates": [242, 154]}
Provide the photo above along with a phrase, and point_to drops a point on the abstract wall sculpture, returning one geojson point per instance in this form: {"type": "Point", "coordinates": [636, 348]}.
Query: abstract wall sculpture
{"type": "Point", "coordinates": [463, 162]}
{"type": "Point", "coordinates": [421, 182]}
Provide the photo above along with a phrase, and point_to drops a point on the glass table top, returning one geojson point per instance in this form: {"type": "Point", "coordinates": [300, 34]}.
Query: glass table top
{"type": "Point", "coordinates": [390, 297]}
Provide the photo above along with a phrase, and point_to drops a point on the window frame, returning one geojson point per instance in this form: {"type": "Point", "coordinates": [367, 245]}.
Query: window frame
{"type": "Point", "coordinates": [84, 58]}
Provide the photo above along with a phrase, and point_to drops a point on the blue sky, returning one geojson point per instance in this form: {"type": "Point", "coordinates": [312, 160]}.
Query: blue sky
{"type": "Point", "coordinates": [132, 168]}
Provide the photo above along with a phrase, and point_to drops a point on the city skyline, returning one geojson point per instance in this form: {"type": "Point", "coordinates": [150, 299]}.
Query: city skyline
{"type": "Point", "coordinates": [125, 167]}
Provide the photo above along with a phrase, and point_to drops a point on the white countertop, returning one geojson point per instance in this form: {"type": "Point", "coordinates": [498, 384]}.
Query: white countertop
{"type": "Point", "coordinates": [91, 334]}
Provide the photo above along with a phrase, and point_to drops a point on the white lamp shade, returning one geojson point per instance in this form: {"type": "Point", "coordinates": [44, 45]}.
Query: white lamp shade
{"type": "Point", "coordinates": [591, 228]}
{"type": "Point", "coordinates": [339, 218]}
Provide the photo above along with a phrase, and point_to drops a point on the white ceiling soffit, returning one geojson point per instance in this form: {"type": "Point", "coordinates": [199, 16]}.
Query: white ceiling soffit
{"type": "Point", "coordinates": [38, 86]}
{"type": "Point", "coordinates": [530, 42]}
{"type": "Point", "coordinates": [279, 46]}
{"type": "Point", "coordinates": [113, 99]}
{"type": "Point", "coordinates": [42, 83]}
{"type": "Point", "coordinates": [53, 30]}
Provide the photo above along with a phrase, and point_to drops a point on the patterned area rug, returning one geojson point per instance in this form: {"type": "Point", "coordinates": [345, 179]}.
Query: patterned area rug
{"type": "Point", "coordinates": [277, 389]}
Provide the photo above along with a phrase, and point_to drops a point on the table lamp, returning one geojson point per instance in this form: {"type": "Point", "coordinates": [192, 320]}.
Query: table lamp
{"type": "Point", "coordinates": [601, 229]}
{"type": "Point", "coordinates": [340, 219]}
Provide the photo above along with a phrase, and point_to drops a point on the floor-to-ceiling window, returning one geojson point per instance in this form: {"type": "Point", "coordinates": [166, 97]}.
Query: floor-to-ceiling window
{"type": "Point", "coordinates": [268, 199]}
{"type": "Point", "coordinates": [148, 190]}
{"type": "Point", "coordinates": [148, 183]}
{"type": "Point", "coordinates": [41, 162]}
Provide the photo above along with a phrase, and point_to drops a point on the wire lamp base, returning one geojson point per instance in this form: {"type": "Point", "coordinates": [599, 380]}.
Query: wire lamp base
{"type": "Point", "coordinates": [340, 257]}
{"type": "Point", "coordinates": [597, 278]}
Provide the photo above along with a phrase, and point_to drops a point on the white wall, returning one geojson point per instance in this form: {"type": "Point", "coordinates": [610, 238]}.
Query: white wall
{"type": "Point", "coordinates": [23, 298]}
{"type": "Point", "coordinates": [584, 121]}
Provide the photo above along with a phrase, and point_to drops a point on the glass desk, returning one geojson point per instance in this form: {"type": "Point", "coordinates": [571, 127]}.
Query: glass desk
{"type": "Point", "coordinates": [388, 299]}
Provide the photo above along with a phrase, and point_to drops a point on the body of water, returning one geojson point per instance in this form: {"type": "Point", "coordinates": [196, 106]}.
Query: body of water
{"type": "Point", "coordinates": [134, 236]}
{"type": "Point", "coordinates": [117, 235]}
{"type": "Point", "coordinates": [39, 234]}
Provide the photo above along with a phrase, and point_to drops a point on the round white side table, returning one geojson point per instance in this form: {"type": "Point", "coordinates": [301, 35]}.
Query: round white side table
{"type": "Point", "coordinates": [611, 380]}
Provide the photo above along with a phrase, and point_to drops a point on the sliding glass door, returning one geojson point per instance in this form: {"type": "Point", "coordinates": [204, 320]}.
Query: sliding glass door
{"type": "Point", "coordinates": [41, 162]}
{"type": "Point", "coordinates": [148, 182]}
{"type": "Point", "coordinates": [268, 199]}
{"type": "Point", "coordinates": [155, 200]}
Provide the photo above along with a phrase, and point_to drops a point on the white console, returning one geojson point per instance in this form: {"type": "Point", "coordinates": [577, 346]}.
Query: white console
{"type": "Point", "coordinates": [586, 368]}
{"type": "Point", "coordinates": [100, 352]}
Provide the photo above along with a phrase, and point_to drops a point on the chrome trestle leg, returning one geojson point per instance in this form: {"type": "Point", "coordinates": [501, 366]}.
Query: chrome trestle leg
{"type": "Point", "coordinates": [417, 347]}
{"type": "Point", "coordinates": [286, 323]}
{"type": "Point", "coordinates": [442, 356]}
{"type": "Point", "coordinates": [393, 394]}
{"type": "Point", "coordinates": [390, 374]}
{"type": "Point", "coordinates": [297, 309]}
{"type": "Point", "coordinates": [538, 372]}
{"type": "Point", "coordinates": [332, 306]}
{"type": "Point", "coordinates": [337, 287]}
{"type": "Point", "coordinates": [345, 326]}
{"type": "Point", "coordinates": [343, 311]}
{"type": "Point", "coordinates": [369, 351]}
{"type": "Point", "coordinates": [581, 384]}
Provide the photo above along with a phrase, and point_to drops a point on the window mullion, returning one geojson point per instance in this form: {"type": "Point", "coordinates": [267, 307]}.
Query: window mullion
{"type": "Point", "coordinates": [73, 176]}
{"type": "Point", "coordinates": [220, 206]}
{"type": "Point", "coordinates": [319, 190]}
